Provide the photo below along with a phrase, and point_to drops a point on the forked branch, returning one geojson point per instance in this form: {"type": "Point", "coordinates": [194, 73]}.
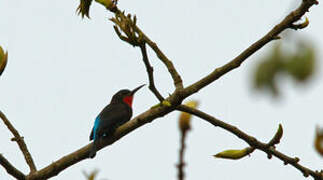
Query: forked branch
{"type": "Point", "coordinates": [150, 72]}
{"type": "Point", "coordinates": [134, 36]}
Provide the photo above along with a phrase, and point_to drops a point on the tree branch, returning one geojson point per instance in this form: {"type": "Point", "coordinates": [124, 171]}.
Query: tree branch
{"type": "Point", "coordinates": [181, 163]}
{"type": "Point", "coordinates": [11, 169]}
{"type": "Point", "coordinates": [253, 142]}
{"type": "Point", "coordinates": [174, 100]}
{"type": "Point", "coordinates": [21, 143]}
{"type": "Point", "coordinates": [136, 37]}
{"type": "Point", "coordinates": [171, 68]}
{"type": "Point", "coordinates": [287, 22]}
{"type": "Point", "coordinates": [150, 72]}
{"type": "Point", "coordinates": [83, 153]}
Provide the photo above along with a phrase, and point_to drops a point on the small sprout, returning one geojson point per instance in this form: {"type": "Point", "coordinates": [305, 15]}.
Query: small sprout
{"type": "Point", "coordinates": [166, 103]}
{"type": "Point", "coordinates": [302, 25]}
{"type": "Point", "coordinates": [185, 118]}
{"type": "Point", "coordinates": [305, 24]}
{"type": "Point", "coordinates": [277, 137]}
{"type": "Point", "coordinates": [3, 60]}
{"type": "Point", "coordinates": [234, 153]}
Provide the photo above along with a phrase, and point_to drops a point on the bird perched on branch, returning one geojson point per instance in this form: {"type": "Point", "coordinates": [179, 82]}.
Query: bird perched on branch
{"type": "Point", "coordinates": [118, 112]}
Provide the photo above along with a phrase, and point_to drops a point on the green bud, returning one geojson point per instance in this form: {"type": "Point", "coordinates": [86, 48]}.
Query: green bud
{"type": "Point", "coordinates": [234, 153]}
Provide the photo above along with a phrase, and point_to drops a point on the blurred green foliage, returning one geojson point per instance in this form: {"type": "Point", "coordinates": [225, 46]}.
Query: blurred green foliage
{"type": "Point", "coordinates": [299, 64]}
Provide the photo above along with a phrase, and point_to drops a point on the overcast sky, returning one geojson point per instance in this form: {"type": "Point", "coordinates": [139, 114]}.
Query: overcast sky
{"type": "Point", "coordinates": [63, 70]}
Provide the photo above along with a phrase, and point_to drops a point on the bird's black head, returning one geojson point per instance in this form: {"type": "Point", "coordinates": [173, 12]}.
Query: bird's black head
{"type": "Point", "coordinates": [125, 95]}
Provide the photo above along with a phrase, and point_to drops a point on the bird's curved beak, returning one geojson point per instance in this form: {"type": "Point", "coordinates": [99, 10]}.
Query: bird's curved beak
{"type": "Point", "coordinates": [136, 89]}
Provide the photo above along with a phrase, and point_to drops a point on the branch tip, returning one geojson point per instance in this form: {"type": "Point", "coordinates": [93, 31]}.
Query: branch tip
{"type": "Point", "coordinates": [21, 143]}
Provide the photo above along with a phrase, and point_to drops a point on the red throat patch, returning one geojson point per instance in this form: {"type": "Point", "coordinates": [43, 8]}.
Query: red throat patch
{"type": "Point", "coordinates": [128, 100]}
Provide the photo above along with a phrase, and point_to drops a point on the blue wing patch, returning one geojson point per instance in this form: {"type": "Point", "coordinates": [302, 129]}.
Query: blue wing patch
{"type": "Point", "coordinates": [96, 125]}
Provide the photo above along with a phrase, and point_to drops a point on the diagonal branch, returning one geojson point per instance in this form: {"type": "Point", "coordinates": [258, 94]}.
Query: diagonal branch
{"type": "Point", "coordinates": [150, 72]}
{"type": "Point", "coordinates": [136, 37]}
{"type": "Point", "coordinates": [253, 142]}
{"type": "Point", "coordinates": [83, 153]}
{"type": "Point", "coordinates": [21, 143]}
{"type": "Point", "coordinates": [11, 169]}
{"type": "Point", "coordinates": [168, 63]}
{"type": "Point", "coordinates": [286, 23]}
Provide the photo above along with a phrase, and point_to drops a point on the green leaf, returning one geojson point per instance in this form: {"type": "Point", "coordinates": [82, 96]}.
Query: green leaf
{"type": "Point", "coordinates": [234, 153]}
{"type": "Point", "coordinates": [277, 137]}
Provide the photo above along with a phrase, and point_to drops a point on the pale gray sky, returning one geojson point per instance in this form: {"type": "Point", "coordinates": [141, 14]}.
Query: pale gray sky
{"type": "Point", "coordinates": [63, 70]}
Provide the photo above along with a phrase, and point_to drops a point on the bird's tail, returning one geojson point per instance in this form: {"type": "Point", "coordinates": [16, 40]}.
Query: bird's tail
{"type": "Point", "coordinates": [93, 149]}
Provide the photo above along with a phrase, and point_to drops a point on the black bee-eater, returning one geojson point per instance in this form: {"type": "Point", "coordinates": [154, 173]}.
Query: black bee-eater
{"type": "Point", "coordinates": [118, 112]}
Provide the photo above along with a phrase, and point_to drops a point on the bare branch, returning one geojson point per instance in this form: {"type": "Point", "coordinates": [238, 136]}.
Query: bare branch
{"type": "Point", "coordinates": [253, 142]}
{"type": "Point", "coordinates": [21, 143]}
{"type": "Point", "coordinates": [11, 169]}
{"type": "Point", "coordinates": [136, 37]}
{"type": "Point", "coordinates": [150, 72]}
{"type": "Point", "coordinates": [83, 153]}
{"type": "Point", "coordinates": [286, 23]}
{"type": "Point", "coordinates": [168, 63]}
{"type": "Point", "coordinates": [181, 163]}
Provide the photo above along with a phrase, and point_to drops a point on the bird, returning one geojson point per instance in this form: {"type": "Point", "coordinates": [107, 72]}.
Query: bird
{"type": "Point", "coordinates": [115, 114]}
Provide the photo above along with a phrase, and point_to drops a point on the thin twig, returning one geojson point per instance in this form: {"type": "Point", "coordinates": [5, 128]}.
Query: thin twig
{"type": "Point", "coordinates": [11, 169]}
{"type": "Point", "coordinates": [168, 63]}
{"type": "Point", "coordinates": [178, 83]}
{"type": "Point", "coordinates": [286, 23]}
{"type": "Point", "coordinates": [253, 142]}
{"type": "Point", "coordinates": [21, 143]}
{"type": "Point", "coordinates": [181, 163]}
{"type": "Point", "coordinates": [150, 72]}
